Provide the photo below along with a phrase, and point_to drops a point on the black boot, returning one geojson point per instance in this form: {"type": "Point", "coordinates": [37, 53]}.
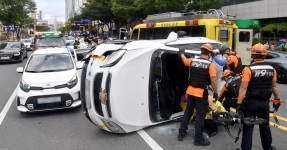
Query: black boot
{"type": "Point", "coordinates": [181, 136]}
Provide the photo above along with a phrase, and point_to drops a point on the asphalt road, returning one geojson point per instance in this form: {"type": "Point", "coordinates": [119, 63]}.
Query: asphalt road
{"type": "Point", "coordinates": [70, 130]}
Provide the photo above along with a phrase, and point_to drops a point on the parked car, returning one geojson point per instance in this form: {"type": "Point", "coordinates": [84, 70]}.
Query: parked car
{"type": "Point", "coordinates": [138, 83]}
{"type": "Point", "coordinates": [50, 81]}
{"type": "Point", "coordinates": [12, 52]}
{"type": "Point", "coordinates": [27, 43]}
{"type": "Point", "coordinates": [278, 59]}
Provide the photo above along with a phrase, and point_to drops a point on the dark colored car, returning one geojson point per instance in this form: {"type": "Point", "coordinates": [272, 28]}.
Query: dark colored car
{"type": "Point", "coordinates": [12, 51]}
{"type": "Point", "coordinates": [278, 60]}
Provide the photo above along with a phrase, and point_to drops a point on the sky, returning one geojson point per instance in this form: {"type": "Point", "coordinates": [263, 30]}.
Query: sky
{"type": "Point", "coordinates": [51, 8]}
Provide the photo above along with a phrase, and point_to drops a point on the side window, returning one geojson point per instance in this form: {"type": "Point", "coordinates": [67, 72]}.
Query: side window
{"type": "Point", "coordinates": [224, 35]}
{"type": "Point", "coordinates": [271, 55]}
{"type": "Point", "coordinates": [157, 33]}
{"type": "Point", "coordinates": [143, 34]}
{"type": "Point", "coordinates": [135, 34]}
{"type": "Point", "coordinates": [244, 36]}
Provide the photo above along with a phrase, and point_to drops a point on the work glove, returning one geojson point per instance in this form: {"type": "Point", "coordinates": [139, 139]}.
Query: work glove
{"type": "Point", "coordinates": [215, 97]}
{"type": "Point", "coordinates": [181, 51]}
{"type": "Point", "coordinates": [239, 110]}
{"type": "Point", "coordinates": [276, 106]}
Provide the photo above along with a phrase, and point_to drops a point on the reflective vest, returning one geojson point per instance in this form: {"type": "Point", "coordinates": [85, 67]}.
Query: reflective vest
{"type": "Point", "coordinates": [260, 85]}
{"type": "Point", "coordinates": [233, 85]}
{"type": "Point", "coordinates": [199, 73]}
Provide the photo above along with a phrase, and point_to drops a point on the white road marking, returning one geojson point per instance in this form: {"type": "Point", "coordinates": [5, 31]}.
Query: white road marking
{"type": "Point", "coordinates": [149, 140]}
{"type": "Point", "coordinates": [7, 106]}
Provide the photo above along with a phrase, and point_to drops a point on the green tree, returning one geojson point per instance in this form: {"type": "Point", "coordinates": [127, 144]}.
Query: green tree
{"type": "Point", "coordinates": [270, 27]}
{"type": "Point", "coordinates": [124, 9]}
{"type": "Point", "coordinates": [255, 27]}
{"type": "Point", "coordinates": [98, 10]}
{"type": "Point", "coordinates": [15, 12]}
{"type": "Point", "coordinates": [62, 29]}
{"type": "Point", "coordinates": [42, 28]}
{"type": "Point", "coordinates": [205, 5]}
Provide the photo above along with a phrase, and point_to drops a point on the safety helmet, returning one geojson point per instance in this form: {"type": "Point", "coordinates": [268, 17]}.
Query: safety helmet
{"type": "Point", "coordinates": [223, 47]}
{"type": "Point", "coordinates": [259, 49]}
{"type": "Point", "coordinates": [226, 73]}
{"type": "Point", "coordinates": [208, 47]}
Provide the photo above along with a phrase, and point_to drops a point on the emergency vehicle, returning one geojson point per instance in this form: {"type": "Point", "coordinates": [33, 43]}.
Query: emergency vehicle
{"type": "Point", "coordinates": [212, 24]}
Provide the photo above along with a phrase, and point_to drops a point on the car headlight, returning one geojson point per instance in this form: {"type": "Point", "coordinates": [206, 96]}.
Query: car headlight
{"type": "Point", "coordinates": [24, 86]}
{"type": "Point", "coordinates": [113, 58]}
{"type": "Point", "coordinates": [17, 54]}
{"type": "Point", "coordinates": [73, 82]}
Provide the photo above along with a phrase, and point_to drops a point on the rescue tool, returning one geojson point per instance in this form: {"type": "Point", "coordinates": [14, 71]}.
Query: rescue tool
{"type": "Point", "coordinates": [276, 124]}
{"type": "Point", "coordinates": [226, 119]}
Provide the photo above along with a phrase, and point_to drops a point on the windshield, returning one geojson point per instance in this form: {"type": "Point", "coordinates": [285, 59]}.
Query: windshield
{"type": "Point", "coordinates": [50, 63]}
{"type": "Point", "coordinates": [9, 45]}
{"type": "Point", "coordinates": [26, 41]}
{"type": "Point", "coordinates": [69, 43]}
{"type": "Point", "coordinates": [50, 42]}
{"type": "Point", "coordinates": [195, 46]}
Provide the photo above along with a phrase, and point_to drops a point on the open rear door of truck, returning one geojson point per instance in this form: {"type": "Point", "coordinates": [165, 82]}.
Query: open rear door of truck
{"type": "Point", "coordinates": [243, 43]}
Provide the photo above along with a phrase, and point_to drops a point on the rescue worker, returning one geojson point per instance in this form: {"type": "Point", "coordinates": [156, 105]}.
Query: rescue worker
{"type": "Point", "coordinates": [258, 84]}
{"type": "Point", "coordinates": [94, 45]}
{"type": "Point", "coordinates": [232, 61]}
{"type": "Point", "coordinates": [202, 73]}
{"type": "Point", "coordinates": [76, 43]}
{"type": "Point", "coordinates": [230, 90]}
{"type": "Point", "coordinates": [85, 44]}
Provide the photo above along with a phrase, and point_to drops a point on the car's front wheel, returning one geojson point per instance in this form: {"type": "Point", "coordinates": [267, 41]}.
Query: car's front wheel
{"type": "Point", "coordinates": [281, 75]}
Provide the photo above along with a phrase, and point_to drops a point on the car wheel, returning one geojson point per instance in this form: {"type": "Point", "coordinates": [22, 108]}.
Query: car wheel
{"type": "Point", "coordinates": [281, 75]}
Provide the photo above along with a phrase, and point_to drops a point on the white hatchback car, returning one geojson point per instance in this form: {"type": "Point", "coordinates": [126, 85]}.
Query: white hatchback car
{"type": "Point", "coordinates": [138, 83]}
{"type": "Point", "coordinates": [50, 81]}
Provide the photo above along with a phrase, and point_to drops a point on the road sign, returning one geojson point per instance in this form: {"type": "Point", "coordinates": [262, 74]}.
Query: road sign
{"type": "Point", "coordinates": [1, 27]}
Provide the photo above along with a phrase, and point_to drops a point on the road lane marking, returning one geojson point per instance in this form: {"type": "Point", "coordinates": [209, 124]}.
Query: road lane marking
{"type": "Point", "coordinates": [7, 106]}
{"type": "Point", "coordinates": [149, 140]}
{"type": "Point", "coordinates": [271, 123]}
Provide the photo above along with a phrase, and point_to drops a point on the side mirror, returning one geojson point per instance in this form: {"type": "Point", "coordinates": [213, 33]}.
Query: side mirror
{"type": "Point", "coordinates": [171, 38]}
{"type": "Point", "coordinates": [20, 69]}
{"type": "Point", "coordinates": [79, 65]}
{"type": "Point", "coordinates": [32, 45]}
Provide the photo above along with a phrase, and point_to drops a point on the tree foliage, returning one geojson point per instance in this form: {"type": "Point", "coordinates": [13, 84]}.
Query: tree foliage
{"type": "Point", "coordinates": [98, 10]}
{"type": "Point", "coordinates": [255, 27]}
{"type": "Point", "coordinates": [15, 12]}
{"type": "Point", "coordinates": [42, 29]}
{"type": "Point", "coordinates": [270, 27]}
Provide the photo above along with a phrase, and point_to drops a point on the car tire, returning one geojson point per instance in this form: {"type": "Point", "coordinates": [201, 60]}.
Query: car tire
{"type": "Point", "coordinates": [281, 75]}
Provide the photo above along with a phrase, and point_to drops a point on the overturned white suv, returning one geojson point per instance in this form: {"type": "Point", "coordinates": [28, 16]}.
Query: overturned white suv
{"type": "Point", "coordinates": [129, 85]}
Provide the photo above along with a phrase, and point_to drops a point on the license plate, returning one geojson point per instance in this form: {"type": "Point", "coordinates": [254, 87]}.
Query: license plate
{"type": "Point", "coordinates": [4, 58]}
{"type": "Point", "coordinates": [47, 100]}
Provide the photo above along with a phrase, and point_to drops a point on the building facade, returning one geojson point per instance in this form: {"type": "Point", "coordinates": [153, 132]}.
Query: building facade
{"type": "Point", "coordinates": [69, 9]}
{"type": "Point", "coordinates": [264, 11]}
